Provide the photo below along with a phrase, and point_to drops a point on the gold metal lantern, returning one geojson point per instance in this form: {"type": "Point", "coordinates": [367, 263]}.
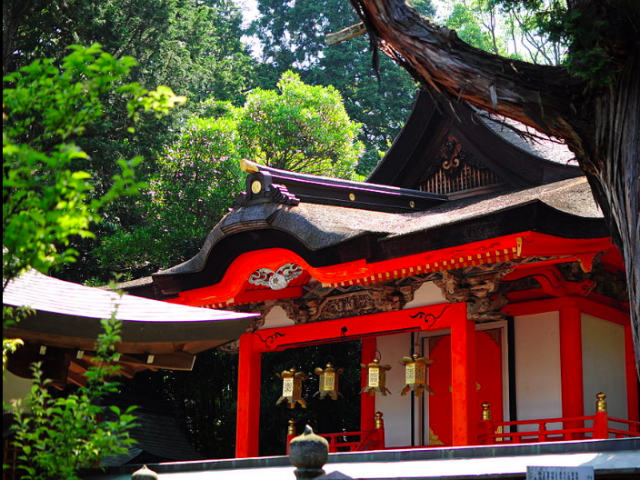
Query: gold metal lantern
{"type": "Point", "coordinates": [292, 387]}
{"type": "Point", "coordinates": [328, 381]}
{"type": "Point", "coordinates": [376, 377]}
{"type": "Point", "coordinates": [415, 375]}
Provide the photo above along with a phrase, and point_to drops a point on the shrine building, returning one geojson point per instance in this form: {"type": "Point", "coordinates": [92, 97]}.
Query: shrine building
{"type": "Point", "coordinates": [476, 258]}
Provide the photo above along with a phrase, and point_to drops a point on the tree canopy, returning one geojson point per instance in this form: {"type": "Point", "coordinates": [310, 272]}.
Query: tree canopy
{"type": "Point", "coordinates": [299, 128]}
{"type": "Point", "coordinates": [291, 37]}
{"type": "Point", "coordinates": [46, 202]}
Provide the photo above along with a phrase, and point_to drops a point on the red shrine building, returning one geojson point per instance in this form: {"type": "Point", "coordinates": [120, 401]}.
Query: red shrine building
{"type": "Point", "coordinates": [469, 255]}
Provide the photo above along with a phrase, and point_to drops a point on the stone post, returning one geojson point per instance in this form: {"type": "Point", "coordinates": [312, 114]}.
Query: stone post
{"type": "Point", "coordinates": [308, 453]}
{"type": "Point", "coordinates": [144, 474]}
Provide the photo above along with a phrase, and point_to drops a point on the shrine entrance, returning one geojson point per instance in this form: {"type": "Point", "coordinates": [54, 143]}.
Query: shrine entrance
{"type": "Point", "coordinates": [324, 415]}
{"type": "Point", "coordinates": [489, 382]}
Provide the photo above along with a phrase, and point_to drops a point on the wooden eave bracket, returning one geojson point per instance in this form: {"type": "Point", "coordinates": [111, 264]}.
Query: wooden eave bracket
{"type": "Point", "coordinates": [346, 34]}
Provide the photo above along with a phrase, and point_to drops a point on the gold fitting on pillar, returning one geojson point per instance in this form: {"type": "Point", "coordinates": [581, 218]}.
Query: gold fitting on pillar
{"type": "Point", "coordinates": [486, 412]}
{"type": "Point", "coordinates": [379, 420]}
{"type": "Point", "coordinates": [601, 404]}
{"type": "Point", "coordinates": [292, 427]}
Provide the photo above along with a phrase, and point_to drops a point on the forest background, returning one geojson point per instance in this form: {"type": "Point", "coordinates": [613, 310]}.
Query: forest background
{"type": "Point", "coordinates": [190, 157]}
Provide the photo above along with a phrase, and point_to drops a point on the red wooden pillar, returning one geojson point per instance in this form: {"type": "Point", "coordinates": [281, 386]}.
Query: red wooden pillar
{"type": "Point", "coordinates": [571, 367]}
{"type": "Point", "coordinates": [463, 378]}
{"type": "Point", "coordinates": [631, 375]}
{"type": "Point", "coordinates": [367, 402]}
{"type": "Point", "coordinates": [248, 415]}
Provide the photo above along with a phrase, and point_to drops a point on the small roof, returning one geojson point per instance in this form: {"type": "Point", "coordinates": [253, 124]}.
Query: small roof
{"type": "Point", "coordinates": [70, 310]}
{"type": "Point", "coordinates": [154, 334]}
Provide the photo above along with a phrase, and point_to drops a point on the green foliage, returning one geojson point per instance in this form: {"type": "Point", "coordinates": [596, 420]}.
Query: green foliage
{"type": "Point", "coordinates": [59, 436]}
{"type": "Point", "coordinates": [300, 128]}
{"type": "Point", "coordinates": [46, 202]}
{"type": "Point", "coordinates": [10, 316]}
{"type": "Point", "coordinates": [595, 34]}
{"type": "Point", "coordinates": [291, 37]}
{"type": "Point", "coordinates": [191, 46]}
{"type": "Point", "coordinates": [46, 197]}
{"type": "Point", "coordinates": [196, 180]}
{"type": "Point", "coordinates": [477, 25]}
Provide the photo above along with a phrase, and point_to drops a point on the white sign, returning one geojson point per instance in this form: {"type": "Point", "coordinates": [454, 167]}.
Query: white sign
{"type": "Point", "coordinates": [560, 473]}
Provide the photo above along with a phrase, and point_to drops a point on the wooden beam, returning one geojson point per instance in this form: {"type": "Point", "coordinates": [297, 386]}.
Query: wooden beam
{"type": "Point", "coordinates": [346, 34]}
{"type": "Point", "coordinates": [431, 317]}
{"type": "Point", "coordinates": [631, 375]}
{"type": "Point", "coordinates": [571, 367]}
{"type": "Point", "coordinates": [248, 412]}
{"type": "Point", "coordinates": [463, 380]}
{"type": "Point", "coordinates": [367, 402]}
{"type": "Point", "coordinates": [586, 305]}
{"type": "Point", "coordinates": [173, 361]}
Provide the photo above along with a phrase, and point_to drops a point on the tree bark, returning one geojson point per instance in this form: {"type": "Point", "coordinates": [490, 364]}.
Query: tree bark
{"type": "Point", "coordinates": [600, 125]}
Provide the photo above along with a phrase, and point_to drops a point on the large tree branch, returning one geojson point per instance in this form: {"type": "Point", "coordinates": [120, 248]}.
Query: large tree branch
{"type": "Point", "coordinates": [543, 97]}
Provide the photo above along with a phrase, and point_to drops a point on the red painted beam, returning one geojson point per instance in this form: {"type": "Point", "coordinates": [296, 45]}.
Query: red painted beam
{"type": "Point", "coordinates": [586, 305]}
{"type": "Point", "coordinates": [432, 317]}
{"type": "Point", "coordinates": [463, 380]}
{"type": "Point", "coordinates": [571, 374]}
{"type": "Point", "coordinates": [367, 402]}
{"type": "Point", "coordinates": [248, 413]}
{"type": "Point", "coordinates": [631, 373]}
{"type": "Point", "coordinates": [362, 271]}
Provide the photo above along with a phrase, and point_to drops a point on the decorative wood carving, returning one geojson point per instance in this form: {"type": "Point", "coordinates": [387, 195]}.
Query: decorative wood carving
{"type": "Point", "coordinates": [481, 292]}
{"type": "Point", "coordinates": [359, 301]}
{"type": "Point", "coordinates": [456, 170]}
{"type": "Point", "coordinates": [261, 189]}
{"type": "Point", "coordinates": [495, 334]}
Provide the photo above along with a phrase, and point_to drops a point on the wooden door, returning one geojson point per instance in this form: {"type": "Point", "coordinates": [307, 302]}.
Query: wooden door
{"type": "Point", "coordinates": [488, 382]}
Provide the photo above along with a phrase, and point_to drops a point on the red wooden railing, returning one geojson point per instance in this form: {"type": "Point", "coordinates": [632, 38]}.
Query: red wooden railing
{"type": "Point", "coordinates": [598, 426]}
{"type": "Point", "coordinates": [349, 441]}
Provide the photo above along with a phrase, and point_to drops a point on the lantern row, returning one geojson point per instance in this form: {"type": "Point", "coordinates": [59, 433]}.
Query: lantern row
{"type": "Point", "coordinates": [415, 380]}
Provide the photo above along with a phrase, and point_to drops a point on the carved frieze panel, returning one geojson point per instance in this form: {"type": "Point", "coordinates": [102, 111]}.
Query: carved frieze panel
{"type": "Point", "coordinates": [359, 301]}
{"type": "Point", "coordinates": [482, 292]}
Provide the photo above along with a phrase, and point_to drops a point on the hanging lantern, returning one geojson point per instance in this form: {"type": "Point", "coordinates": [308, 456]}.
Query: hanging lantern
{"type": "Point", "coordinates": [376, 377]}
{"type": "Point", "coordinates": [415, 375]}
{"type": "Point", "coordinates": [292, 387]}
{"type": "Point", "coordinates": [328, 381]}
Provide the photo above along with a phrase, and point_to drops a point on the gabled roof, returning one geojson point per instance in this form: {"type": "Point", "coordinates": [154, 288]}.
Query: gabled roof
{"type": "Point", "coordinates": [439, 133]}
{"type": "Point", "coordinates": [328, 235]}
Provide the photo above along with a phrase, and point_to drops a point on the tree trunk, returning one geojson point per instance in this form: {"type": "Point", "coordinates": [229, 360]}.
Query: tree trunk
{"type": "Point", "coordinates": [600, 126]}
{"type": "Point", "coordinates": [614, 174]}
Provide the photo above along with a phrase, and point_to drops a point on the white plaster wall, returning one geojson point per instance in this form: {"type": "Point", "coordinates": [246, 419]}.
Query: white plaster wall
{"type": "Point", "coordinates": [396, 408]}
{"type": "Point", "coordinates": [537, 352]}
{"type": "Point", "coordinates": [277, 318]}
{"type": "Point", "coordinates": [603, 365]}
{"type": "Point", "coordinates": [428, 294]}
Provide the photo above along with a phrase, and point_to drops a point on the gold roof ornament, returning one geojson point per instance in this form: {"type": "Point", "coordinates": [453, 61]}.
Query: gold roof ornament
{"type": "Point", "coordinates": [292, 387]}
{"type": "Point", "coordinates": [328, 381]}
{"type": "Point", "coordinates": [415, 375]}
{"type": "Point", "coordinates": [376, 374]}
